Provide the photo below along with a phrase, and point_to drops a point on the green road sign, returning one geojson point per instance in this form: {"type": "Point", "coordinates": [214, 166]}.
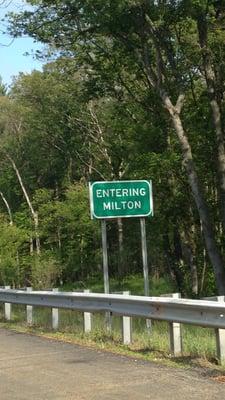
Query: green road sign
{"type": "Point", "coordinates": [117, 199]}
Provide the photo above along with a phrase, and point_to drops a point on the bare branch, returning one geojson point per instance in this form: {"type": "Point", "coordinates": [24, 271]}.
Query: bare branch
{"type": "Point", "coordinates": [33, 212]}
{"type": "Point", "coordinates": [88, 165]}
{"type": "Point", "coordinates": [100, 134]}
{"type": "Point", "coordinates": [8, 208]}
{"type": "Point", "coordinates": [179, 103]}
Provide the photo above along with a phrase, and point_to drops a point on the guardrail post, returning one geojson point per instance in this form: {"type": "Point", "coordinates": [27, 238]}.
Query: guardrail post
{"type": "Point", "coordinates": [220, 339]}
{"type": "Point", "coordinates": [87, 318]}
{"type": "Point", "coordinates": [8, 307]}
{"type": "Point", "coordinates": [127, 327]}
{"type": "Point", "coordinates": [29, 310]}
{"type": "Point", "coordinates": [55, 314]}
{"type": "Point", "coordinates": [175, 333]}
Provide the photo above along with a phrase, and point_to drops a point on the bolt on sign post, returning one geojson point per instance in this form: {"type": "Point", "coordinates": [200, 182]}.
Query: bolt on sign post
{"type": "Point", "coordinates": [122, 199]}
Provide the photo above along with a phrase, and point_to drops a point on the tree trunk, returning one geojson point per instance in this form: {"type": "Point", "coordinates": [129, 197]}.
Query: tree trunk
{"type": "Point", "coordinates": [31, 246]}
{"type": "Point", "coordinates": [204, 266]}
{"type": "Point", "coordinates": [36, 228]}
{"type": "Point", "coordinates": [171, 262]}
{"type": "Point", "coordinates": [214, 98]}
{"type": "Point", "coordinates": [220, 156]}
{"type": "Point", "coordinates": [189, 253]}
{"type": "Point", "coordinates": [194, 273]}
{"type": "Point", "coordinates": [58, 228]}
{"type": "Point", "coordinates": [190, 259]}
{"type": "Point", "coordinates": [213, 252]}
{"type": "Point", "coordinates": [8, 208]}
{"type": "Point", "coordinates": [203, 269]}
{"type": "Point", "coordinates": [33, 213]}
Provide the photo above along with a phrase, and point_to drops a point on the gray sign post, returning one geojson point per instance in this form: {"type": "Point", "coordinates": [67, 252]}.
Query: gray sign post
{"type": "Point", "coordinates": [105, 269]}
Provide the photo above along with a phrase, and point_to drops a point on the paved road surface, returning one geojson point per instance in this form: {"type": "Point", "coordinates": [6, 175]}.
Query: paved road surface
{"type": "Point", "coordinates": [41, 369]}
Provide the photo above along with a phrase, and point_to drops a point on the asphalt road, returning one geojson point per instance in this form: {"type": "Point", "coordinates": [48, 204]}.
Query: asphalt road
{"type": "Point", "coordinates": [35, 368]}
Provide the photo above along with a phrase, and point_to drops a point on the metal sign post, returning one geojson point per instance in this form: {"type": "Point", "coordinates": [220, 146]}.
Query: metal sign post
{"type": "Point", "coordinates": [105, 270]}
{"type": "Point", "coordinates": [105, 256]}
{"type": "Point", "coordinates": [145, 264]}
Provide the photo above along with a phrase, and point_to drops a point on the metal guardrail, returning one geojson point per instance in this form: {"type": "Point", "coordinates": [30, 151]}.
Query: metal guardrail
{"type": "Point", "coordinates": [195, 312]}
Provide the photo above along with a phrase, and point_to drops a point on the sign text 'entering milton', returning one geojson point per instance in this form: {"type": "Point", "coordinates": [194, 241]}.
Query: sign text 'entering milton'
{"type": "Point", "coordinates": [116, 199]}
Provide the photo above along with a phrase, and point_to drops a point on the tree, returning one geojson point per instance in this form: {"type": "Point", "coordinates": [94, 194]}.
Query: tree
{"type": "Point", "coordinates": [13, 241]}
{"type": "Point", "coordinates": [3, 88]}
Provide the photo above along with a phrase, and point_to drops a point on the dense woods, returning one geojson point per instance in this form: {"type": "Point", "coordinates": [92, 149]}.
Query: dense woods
{"type": "Point", "coordinates": [134, 90]}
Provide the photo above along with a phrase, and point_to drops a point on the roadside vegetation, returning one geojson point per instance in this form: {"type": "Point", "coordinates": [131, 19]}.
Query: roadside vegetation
{"type": "Point", "coordinates": [199, 345]}
{"type": "Point", "coordinates": [130, 89]}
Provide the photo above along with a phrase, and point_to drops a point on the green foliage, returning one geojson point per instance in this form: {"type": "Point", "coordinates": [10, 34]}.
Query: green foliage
{"type": "Point", "coordinates": [13, 241]}
{"type": "Point", "coordinates": [45, 271]}
{"type": "Point", "coordinates": [3, 88]}
{"type": "Point", "coordinates": [79, 234]}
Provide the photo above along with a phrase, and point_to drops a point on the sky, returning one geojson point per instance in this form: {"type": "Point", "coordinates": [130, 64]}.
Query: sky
{"type": "Point", "coordinates": [12, 54]}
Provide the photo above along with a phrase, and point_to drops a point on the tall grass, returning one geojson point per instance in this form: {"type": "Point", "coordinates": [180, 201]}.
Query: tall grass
{"type": "Point", "coordinates": [197, 342]}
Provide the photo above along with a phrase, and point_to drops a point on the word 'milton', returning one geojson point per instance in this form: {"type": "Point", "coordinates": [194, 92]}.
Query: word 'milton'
{"type": "Point", "coordinates": [122, 205]}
